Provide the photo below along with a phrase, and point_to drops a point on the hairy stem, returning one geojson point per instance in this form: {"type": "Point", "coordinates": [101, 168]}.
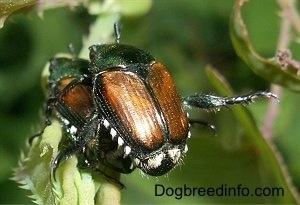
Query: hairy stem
{"type": "Point", "coordinates": [289, 18]}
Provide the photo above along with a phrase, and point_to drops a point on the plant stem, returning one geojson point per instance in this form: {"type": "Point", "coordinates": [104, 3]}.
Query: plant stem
{"type": "Point", "coordinates": [289, 18]}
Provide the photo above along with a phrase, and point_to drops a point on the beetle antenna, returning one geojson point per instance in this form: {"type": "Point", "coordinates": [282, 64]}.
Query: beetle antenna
{"type": "Point", "coordinates": [117, 28]}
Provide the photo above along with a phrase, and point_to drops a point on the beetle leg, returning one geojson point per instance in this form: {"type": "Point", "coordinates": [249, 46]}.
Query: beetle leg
{"type": "Point", "coordinates": [81, 139]}
{"type": "Point", "coordinates": [62, 156]}
{"type": "Point", "coordinates": [204, 101]}
{"type": "Point", "coordinates": [205, 124]}
{"type": "Point", "coordinates": [108, 177]}
{"type": "Point", "coordinates": [48, 109]}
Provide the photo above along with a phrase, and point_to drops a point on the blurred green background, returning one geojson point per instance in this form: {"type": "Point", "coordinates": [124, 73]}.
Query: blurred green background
{"type": "Point", "coordinates": [185, 36]}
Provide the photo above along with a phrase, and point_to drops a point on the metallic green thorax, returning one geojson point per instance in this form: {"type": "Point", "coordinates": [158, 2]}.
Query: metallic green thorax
{"type": "Point", "coordinates": [113, 55]}
{"type": "Point", "coordinates": [61, 68]}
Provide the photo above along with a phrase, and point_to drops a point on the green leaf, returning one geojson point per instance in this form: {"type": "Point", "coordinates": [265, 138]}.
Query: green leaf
{"type": "Point", "coordinates": [271, 169]}
{"type": "Point", "coordinates": [123, 7]}
{"type": "Point", "coordinates": [266, 68]}
{"type": "Point", "coordinates": [72, 186]}
{"type": "Point", "coordinates": [7, 7]}
{"type": "Point", "coordinates": [33, 172]}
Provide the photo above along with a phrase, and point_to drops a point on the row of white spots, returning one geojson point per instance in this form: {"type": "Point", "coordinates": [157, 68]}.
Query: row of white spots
{"type": "Point", "coordinates": [113, 133]}
{"type": "Point", "coordinates": [174, 154]}
{"type": "Point", "coordinates": [127, 151]}
{"type": "Point", "coordinates": [72, 130]}
{"type": "Point", "coordinates": [155, 161]}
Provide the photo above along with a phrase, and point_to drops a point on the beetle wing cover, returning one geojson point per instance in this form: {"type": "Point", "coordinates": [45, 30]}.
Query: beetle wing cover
{"type": "Point", "coordinates": [169, 100]}
{"type": "Point", "coordinates": [127, 96]}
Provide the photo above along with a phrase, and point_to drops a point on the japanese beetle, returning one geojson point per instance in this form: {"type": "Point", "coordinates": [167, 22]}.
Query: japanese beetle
{"type": "Point", "coordinates": [70, 96]}
{"type": "Point", "coordinates": [141, 106]}
{"type": "Point", "coordinates": [122, 110]}
{"type": "Point", "coordinates": [72, 101]}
